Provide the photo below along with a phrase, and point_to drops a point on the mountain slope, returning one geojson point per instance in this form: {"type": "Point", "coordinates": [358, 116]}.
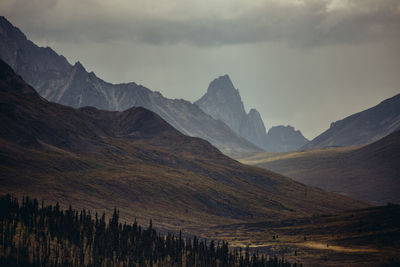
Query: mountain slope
{"type": "Point", "coordinates": [58, 81]}
{"type": "Point", "coordinates": [223, 102]}
{"type": "Point", "coordinates": [362, 128]}
{"type": "Point", "coordinates": [370, 173]}
{"type": "Point", "coordinates": [138, 162]}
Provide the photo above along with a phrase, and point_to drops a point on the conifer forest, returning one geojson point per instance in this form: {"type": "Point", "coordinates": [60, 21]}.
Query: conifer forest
{"type": "Point", "coordinates": [32, 234]}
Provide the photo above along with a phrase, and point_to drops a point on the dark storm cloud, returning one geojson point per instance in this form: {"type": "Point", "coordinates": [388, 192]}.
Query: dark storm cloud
{"type": "Point", "coordinates": [351, 61]}
{"type": "Point", "coordinates": [293, 22]}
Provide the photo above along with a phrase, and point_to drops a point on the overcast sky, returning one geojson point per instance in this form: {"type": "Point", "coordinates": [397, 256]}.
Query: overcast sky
{"type": "Point", "coordinates": [305, 63]}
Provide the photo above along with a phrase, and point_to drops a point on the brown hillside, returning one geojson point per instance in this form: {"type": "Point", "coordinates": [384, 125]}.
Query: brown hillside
{"type": "Point", "coordinates": [136, 161]}
{"type": "Point", "coordinates": [369, 173]}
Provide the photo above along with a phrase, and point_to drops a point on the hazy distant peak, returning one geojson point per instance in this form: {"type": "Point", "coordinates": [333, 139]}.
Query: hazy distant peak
{"type": "Point", "coordinates": [223, 78]}
{"type": "Point", "coordinates": [255, 115]}
{"type": "Point", "coordinates": [280, 127]}
{"type": "Point", "coordinates": [285, 138]}
{"type": "Point", "coordinates": [222, 95]}
{"type": "Point", "coordinates": [223, 102]}
{"type": "Point", "coordinates": [254, 112]}
{"type": "Point", "coordinates": [222, 83]}
{"type": "Point", "coordinates": [287, 130]}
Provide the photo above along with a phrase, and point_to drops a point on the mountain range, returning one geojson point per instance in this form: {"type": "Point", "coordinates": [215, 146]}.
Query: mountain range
{"type": "Point", "coordinates": [136, 161]}
{"type": "Point", "coordinates": [223, 102]}
{"type": "Point", "coordinates": [363, 127]}
{"type": "Point", "coordinates": [58, 81]}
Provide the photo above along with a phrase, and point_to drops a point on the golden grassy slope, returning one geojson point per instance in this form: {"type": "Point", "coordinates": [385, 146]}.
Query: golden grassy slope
{"type": "Point", "coordinates": [264, 157]}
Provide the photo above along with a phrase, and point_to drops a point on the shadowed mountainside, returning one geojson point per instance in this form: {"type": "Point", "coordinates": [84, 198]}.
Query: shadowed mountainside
{"type": "Point", "coordinates": [136, 161]}
{"type": "Point", "coordinates": [370, 173]}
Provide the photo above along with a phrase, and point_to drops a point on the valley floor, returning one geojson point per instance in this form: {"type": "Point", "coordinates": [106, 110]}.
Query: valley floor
{"type": "Point", "coordinates": [367, 237]}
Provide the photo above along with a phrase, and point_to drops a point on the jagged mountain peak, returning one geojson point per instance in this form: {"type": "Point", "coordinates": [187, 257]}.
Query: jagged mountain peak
{"type": "Point", "coordinates": [288, 130]}
{"type": "Point", "coordinates": [221, 90]}
{"type": "Point", "coordinates": [80, 70]}
{"type": "Point", "coordinates": [223, 102]}
{"type": "Point", "coordinates": [78, 64]}
{"type": "Point", "coordinates": [255, 117]}
{"type": "Point", "coordinates": [222, 83]}
{"type": "Point", "coordinates": [282, 127]}
{"type": "Point", "coordinates": [254, 112]}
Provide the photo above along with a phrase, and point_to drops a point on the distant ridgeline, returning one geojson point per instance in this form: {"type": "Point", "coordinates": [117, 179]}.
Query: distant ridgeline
{"type": "Point", "coordinates": [48, 236]}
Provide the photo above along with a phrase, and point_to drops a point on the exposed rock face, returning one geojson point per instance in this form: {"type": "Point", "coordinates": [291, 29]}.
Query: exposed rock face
{"type": "Point", "coordinates": [58, 81]}
{"type": "Point", "coordinates": [362, 128]}
{"type": "Point", "coordinates": [285, 138]}
{"type": "Point", "coordinates": [253, 128]}
{"type": "Point", "coordinates": [223, 102]}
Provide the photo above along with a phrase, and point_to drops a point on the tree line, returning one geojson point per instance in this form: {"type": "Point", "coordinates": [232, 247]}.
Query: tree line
{"type": "Point", "coordinates": [39, 235]}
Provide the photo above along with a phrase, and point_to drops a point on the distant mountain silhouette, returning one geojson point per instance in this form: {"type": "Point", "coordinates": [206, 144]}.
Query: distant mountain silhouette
{"type": "Point", "coordinates": [223, 102]}
{"type": "Point", "coordinates": [284, 138]}
{"type": "Point", "coordinates": [362, 128]}
{"type": "Point", "coordinates": [58, 81]}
